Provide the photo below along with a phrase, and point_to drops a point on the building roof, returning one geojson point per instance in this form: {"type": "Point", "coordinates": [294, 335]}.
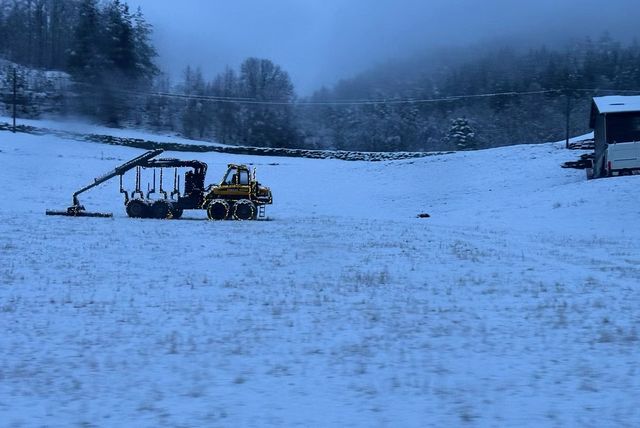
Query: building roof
{"type": "Point", "coordinates": [617, 104]}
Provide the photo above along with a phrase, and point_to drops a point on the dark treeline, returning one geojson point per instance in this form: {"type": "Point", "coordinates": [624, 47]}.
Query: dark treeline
{"type": "Point", "coordinates": [103, 46]}
{"type": "Point", "coordinates": [37, 33]}
{"type": "Point", "coordinates": [408, 126]}
{"type": "Point", "coordinates": [481, 122]}
{"type": "Point", "coordinates": [246, 122]}
{"type": "Point", "coordinates": [105, 70]}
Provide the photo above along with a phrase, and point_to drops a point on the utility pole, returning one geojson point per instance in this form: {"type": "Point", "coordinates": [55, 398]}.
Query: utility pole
{"type": "Point", "coordinates": [15, 97]}
{"type": "Point", "coordinates": [568, 95]}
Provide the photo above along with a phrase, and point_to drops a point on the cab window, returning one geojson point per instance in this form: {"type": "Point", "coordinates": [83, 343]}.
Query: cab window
{"type": "Point", "coordinates": [228, 179]}
{"type": "Point", "coordinates": [244, 178]}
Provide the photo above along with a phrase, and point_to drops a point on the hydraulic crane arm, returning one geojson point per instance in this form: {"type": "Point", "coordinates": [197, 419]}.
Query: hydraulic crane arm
{"type": "Point", "coordinates": [121, 170]}
{"type": "Point", "coordinates": [200, 168]}
{"type": "Point", "coordinates": [146, 160]}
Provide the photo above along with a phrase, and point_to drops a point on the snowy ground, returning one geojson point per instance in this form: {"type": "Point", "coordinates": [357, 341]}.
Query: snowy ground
{"type": "Point", "coordinates": [515, 305]}
{"type": "Point", "coordinates": [78, 127]}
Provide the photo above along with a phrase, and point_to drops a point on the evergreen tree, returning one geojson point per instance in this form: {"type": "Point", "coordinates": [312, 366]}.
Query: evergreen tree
{"type": "Point", "coordinates": [145, 53]}
{"type": "Point", "coordinates": [85, 56]}
{"type": "Point", "coordinates": [461, 135]}
{"type": "Point", "coordinates": [86, 61]}
{"type": "Point", "coordinates": [117, 41]}
{"type": "Point", "coordinates": [111, 56]}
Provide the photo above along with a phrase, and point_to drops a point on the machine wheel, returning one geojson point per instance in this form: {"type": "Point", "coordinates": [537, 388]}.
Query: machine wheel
{"type": "Point", "coordinates": [244, 210]}
{"type": "Point", "coordinates": [218, 210]}
{"type": "Point", "coordinates": [137, 208]}
{"type": "Point", "coordinates": [160, 210]}
{"type": "Point", "coordinates": [176, 213]}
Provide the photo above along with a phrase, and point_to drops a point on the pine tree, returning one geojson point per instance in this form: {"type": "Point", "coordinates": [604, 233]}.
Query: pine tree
{"type": "Point", "coordinates": [461, 135]}
{"type": "Point", "coordinates": [145, 53]}
{"type": "Point", "coordinates": [86, 62]}
{"type": "Point", "coordinates": [118, 42]}
{"type": "Point", "coordinates": [111, 55]}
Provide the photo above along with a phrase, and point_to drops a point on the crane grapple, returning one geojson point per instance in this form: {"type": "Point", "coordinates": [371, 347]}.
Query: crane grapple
{"type": "Point", "coordinates": [77, 210]}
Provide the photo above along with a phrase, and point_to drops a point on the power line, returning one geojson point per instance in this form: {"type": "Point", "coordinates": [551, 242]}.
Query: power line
{"type": "Point", "coordinates": [391, 101]}
{"type": "Point", "coordinates": [370, 102]}
{"type": "Point", "coordinates": [347, 103]}
{"type": "Point", "coordinates": [365, 102]}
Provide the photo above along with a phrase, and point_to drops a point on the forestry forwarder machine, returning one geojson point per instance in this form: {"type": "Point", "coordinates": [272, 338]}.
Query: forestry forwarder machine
{"type": "Point", "coordinates": [239, 196]}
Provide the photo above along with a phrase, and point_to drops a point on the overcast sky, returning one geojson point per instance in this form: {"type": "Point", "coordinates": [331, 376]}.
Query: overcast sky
{"type": "Point", "coordinates": [321, 41]}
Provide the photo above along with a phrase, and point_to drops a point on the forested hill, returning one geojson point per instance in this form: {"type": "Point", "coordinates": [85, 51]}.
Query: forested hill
{"type": "Point", "coordinates": [585, 69]}
{"type": "Point", "coordinates": [79, 36]}
{"type": "Point", "coordinates": [106, 71]}
{"type": "Point", "coordinates": [104, 46]}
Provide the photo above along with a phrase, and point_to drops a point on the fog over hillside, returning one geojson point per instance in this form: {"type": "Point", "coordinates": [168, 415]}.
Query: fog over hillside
{"type": "Point", "coordinates": [321, 41]}
{"type": "Point", "coordinates": [285, 73]}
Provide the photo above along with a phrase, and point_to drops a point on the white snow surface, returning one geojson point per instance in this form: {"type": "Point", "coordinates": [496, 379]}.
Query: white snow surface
{"type": "Point", "coordinates": [75, 126]}
{"type": "Point", "coordinates": [617, 104]}
{"type": "Point", "coordinates": [515, 305]}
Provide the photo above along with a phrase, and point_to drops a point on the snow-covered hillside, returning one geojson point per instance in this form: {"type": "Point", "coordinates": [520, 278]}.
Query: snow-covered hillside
{"type": "Point", "coordinates": [77, 127]}
{"type": "Point", "coordinates": [39, 91]}
{"type": "Point", "coordinates": [516, 304]}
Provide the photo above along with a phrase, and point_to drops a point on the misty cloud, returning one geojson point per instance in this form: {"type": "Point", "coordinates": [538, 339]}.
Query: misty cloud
{"type": "Point", "coordinates": [321, 41]}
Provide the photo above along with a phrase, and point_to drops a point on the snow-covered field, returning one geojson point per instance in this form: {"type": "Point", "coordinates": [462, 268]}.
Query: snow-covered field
{"type": "Point", "coordinates": [515, 305]}
{"type": "Point", "coordinates": [79, 127]}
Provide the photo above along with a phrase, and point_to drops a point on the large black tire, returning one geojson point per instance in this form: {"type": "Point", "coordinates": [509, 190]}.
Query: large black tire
{"type": "Point", "coordinates": [244, 210]}
{"type": "Point", "coordinates": [218, 210]}
{"type": "Point", "coordinates": [160, 210]}
{"type": "Point", "coordinates": [176, 213]}
{"type": "Point", "coordinates": [137, 208]}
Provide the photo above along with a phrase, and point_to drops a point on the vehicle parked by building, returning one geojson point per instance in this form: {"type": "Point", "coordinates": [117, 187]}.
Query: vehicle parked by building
{"type": "Point", "coordinates": [616, 124]}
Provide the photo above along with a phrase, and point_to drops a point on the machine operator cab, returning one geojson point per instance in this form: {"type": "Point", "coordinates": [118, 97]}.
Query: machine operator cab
{"type": "Point", "coordinates": [238, 196]}
{"type": "Point", "coordinates": [236, 176]}
{"type": "Point", "coordinates": [236, 184]}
